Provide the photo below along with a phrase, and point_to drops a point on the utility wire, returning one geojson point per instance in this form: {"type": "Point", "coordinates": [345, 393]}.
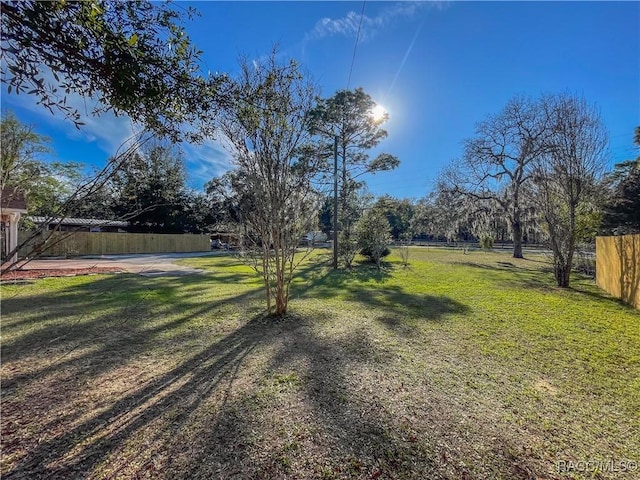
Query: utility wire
{"type": "Point", "coordinates": [355, 47]}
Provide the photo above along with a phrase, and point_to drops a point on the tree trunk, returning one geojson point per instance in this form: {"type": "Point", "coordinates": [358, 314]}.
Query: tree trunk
{"type": "Point", "coordinates": [562, 265]}
{"type": "Point", "coordinates": [344, 221]}
{"type": "Point", "coordinates": [562, 273]}
{"type": "Point", "coordinates": [516, 226]}
{"type": "Point", "coordinates": [281, 293]}
{"type": "Point", "coordinates": [281, 302]}
{"type": "Point", "coordinates": [266, 274]}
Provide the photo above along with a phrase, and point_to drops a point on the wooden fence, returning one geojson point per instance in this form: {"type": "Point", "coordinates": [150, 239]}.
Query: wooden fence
{"type": "Point", "coordinates": [71, 244]}
{"type": "Point", "coordinates": [618, 267]}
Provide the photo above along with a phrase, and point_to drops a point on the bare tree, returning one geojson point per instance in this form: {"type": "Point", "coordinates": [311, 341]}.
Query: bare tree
{"type": "Point", "coordinates": [272, 185]}
{"type": "Point", "coordinates": [440, 214]}
{"type": "Point", "coordinates": [566, 177]}
{"type": "Point", "coordinates": [497, 161]}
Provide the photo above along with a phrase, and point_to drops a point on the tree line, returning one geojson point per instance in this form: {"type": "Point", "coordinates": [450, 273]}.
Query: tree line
{"type": "Point", "coordinates": [148, 190]}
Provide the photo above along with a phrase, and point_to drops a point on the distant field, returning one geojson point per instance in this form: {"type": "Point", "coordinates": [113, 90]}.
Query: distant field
{"type": "Point", "coordinates": [461, 366]}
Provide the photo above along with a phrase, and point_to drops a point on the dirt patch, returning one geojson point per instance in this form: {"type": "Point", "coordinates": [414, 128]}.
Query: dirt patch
{"type": "Point", "coordinates": [56, 272]}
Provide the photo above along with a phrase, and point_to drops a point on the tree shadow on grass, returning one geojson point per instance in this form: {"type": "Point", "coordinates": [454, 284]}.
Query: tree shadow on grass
{"type": "Point", "coordinates": [256, 398]}
{"type": "Point", "coordinates": [321, 280]}
{"type": "Point", "coordinates": [104, 293]}
{"type": "Point", "coordinates": [362, 411]}
{"type": "Point", "coordinates": [368, 286]}
{"type": "Point", "coordinates": [103, 331]}
{"type": "Point", "coordinates": [540, 278]}
{"type": "Point", "coordinates": [97, 326]}
{"type": "Point", "coordinates": [326, 408]}
{"type": "Point", "coordinates": [524, 277]}
{"type": "Point", "coordinates": [177, 393]}
{"type": "Point", "coordinates": [312, 273]}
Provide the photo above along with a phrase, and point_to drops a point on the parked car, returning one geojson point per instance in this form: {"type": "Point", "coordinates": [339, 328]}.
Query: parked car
{"type": "Point", "coordinates": [218, 245]}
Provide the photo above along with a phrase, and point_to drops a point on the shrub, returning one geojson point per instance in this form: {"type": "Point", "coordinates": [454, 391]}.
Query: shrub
{"type": "Point", "coordinates": [371, 255]}
{"type": "Point", "coordinates": [373, 234]}
{"type": "Point", "coordinates": [347, 248]}
{"type": "Point", "coordinates": [486, 243]}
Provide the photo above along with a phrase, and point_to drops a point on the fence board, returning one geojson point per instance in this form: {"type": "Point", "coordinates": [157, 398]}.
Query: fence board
{"type": "Point", "coordinates": [71, 244]}
{"type": "Point", "coordinates": [618, 267]}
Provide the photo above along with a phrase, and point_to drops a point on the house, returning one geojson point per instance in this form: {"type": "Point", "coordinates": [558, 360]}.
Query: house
{"type": "Point", "coordinates": [12, 205]}
{"type": "Point", "coordinates": [80, 224]}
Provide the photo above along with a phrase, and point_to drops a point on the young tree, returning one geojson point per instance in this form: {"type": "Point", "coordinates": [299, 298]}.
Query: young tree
{"type": "Point", "coordinates": [497, 161]}
{"type": "Point", "coordinates": [356, 202]}
{"type": "Point", "coordinates": [348, 117]}
{"type": "Point", "coordinates": [566, 176]}
{"type": "Point", "coordinates": [272, 184]}
{"type": "Point", "coordinates": [373, 235]}
{"type": "Point", "coordinates": [399, 214]}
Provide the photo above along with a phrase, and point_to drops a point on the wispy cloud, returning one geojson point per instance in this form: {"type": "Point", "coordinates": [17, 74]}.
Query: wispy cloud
{"type": "Point", "coordinates": [205, 162]}
{"type": "Point", "coordinates": [347, 26]}
{"type": "Point", "coordinates": [107, 131]}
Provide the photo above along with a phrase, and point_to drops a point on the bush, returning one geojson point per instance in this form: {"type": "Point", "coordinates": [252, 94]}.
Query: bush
{"type": "Point", "coordinates": [486, 243]}
{"type": "Point", "coordinates": [373, 234]}
{"type": "Point", "coordinates": [372, 255]}
{"type": "Point", "coordinates": [347, 248]}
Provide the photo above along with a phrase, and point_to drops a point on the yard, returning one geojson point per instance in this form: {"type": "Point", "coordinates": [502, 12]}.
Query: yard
{"type": "Point", "coordinates": [461, 366]}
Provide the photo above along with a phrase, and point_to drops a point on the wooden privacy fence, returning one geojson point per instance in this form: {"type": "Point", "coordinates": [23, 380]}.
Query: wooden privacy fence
{"type": "Point", "coordinates": [618, 267]}
{"type": "Point", "coordinates": [71, 244]}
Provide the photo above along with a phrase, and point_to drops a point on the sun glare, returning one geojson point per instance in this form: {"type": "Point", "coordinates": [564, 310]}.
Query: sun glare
{"type": "Point", "coordinates": [378, 113]}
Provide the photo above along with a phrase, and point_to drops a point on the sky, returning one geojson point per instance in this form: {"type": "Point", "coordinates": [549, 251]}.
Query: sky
{"type": "Point", "coordinates": [438, 68]}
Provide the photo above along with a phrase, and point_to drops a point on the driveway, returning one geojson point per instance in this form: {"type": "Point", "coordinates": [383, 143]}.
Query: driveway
{"type": "Point", "coordinates": [149, 265]}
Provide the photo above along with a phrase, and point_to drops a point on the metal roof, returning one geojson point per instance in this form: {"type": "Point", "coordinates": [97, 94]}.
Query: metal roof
{"type": "Point", "coordinates": [84, 222]}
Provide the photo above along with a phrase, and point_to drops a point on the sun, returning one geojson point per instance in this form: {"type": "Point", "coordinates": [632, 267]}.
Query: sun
{"type": "Point", "coordinates": [378, 113]}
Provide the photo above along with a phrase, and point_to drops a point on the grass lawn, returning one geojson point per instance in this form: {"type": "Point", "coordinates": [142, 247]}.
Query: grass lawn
{"type": "Point", "coordinates": [461, 366]}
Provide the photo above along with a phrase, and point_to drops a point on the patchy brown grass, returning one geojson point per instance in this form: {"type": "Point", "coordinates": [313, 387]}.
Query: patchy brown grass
{"type": "Point", "coordinates": [457, 367]}
{"type": "Point", "coordinates": [29, 274]}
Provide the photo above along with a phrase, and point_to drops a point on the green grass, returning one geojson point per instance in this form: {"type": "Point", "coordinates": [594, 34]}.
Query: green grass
{"type": "Point", "coordinates": [458, 366]}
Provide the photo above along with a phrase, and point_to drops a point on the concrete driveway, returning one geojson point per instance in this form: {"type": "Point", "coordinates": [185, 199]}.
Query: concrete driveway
{"type": "Point", "coordinates": [149, 265]}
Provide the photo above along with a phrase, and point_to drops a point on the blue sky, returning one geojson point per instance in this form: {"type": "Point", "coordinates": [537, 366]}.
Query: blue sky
{"type": "Point", "coordinates": [437, 67]}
